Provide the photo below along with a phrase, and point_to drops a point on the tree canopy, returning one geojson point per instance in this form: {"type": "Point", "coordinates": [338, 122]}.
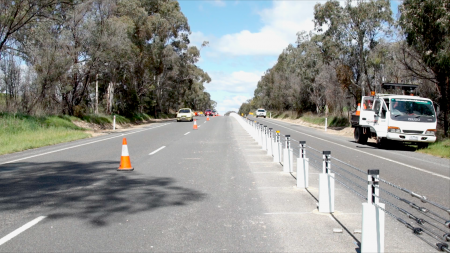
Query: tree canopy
{"type": "Point", "coordinates": [55, 53]}
{"type": "Point", "coordinates": [354, 48]}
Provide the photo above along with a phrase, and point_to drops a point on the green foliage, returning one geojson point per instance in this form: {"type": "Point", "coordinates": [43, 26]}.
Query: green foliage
{"type": "Point", "coordinates": [137, 53]}
{"type": "Point", "coordinates": [59, 122]}
{"type": "Point", "coordinates": [427, 29]}
{"type": "Point", "coordinates": [98, 119]}
{"type": "Point", "coordinates": [120, 119]}
{"type": "Point", "coordinates": [141, 117]}
{"type": "Point", "coordinates": [19, 132]}
{"type": "Point", "coordinates": [440, 148]}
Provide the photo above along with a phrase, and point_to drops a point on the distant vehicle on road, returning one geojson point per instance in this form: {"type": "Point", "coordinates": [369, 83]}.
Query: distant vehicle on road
{"type": "Point", "coordinates": [185, 114]}
{"type": "Point", "coordinates": [214, 112]}
{"type": "Point", "coordinates": [208, 112]}
{"type": "Point", "coordinates": [261, 113]}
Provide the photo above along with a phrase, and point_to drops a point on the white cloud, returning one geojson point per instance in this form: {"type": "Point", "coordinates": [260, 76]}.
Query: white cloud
{"type": "Point", "coordinates": [236, 82]}
{"type": "Point", "coordinates": [231, 104]}
{"type": "Point", "coordinates": [219, 3]}
{"type": "Point", "coordinates": [281, 24]}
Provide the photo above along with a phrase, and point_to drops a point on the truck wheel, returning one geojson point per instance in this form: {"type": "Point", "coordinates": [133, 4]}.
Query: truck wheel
{"type": "Point", "coordinates": [359, 136]}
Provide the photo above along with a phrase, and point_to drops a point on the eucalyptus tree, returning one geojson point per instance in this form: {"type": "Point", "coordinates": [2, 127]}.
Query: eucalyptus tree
{"type": "Point", "coordinates": [427, 30]}
{"type": "Point", "coordinates": [355, 28]}
{"type": "Point", "coordinates": [20, 14]}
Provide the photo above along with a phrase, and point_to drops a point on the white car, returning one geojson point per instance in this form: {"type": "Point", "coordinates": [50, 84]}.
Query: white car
{"type": "Point", "coordinates": [260, 113]}
{"type": "Point", "coordinates": [185, 114]}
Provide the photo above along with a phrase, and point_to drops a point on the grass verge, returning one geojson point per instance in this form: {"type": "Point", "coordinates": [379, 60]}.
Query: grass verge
{"type": "Point", "coordinates": [332, 121]}
{"type": "Point", "coordinates": [21, 132]}
{"type": "Point", "coordinates": [440, 148]}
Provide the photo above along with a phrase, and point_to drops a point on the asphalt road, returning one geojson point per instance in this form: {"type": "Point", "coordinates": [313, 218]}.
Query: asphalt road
{"type": "Point", "coordinates": [211, 189]}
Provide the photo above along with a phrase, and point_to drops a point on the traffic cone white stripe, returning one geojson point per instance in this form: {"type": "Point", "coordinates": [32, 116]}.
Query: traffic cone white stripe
{"type": "Point", "coordinates": [125, 150]}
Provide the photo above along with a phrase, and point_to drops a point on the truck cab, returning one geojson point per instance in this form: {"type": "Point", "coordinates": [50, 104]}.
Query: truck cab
{"type": "Point", "coordinates": [400, 118]}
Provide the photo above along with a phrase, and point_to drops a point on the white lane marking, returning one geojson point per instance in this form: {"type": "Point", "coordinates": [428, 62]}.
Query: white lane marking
{"type": "Point", "coordinates": [21, 229]}
{"type": "Point", "coordinates": [386, 159]}
{"type": "Point", "coordinates": [204, 122]}
{"type": "Point", "coordinates": [267, 172]}
{"type": "Point", "coordinates": [288, 213]}
{"type": "Point", "coordinates": [76, 146]}
{"type": "Point", "coordinates": [154, 152]}
{"type": "Point", "coordinates": [187, 133]}
{"type": "Point", "coordinates": [199, 125]}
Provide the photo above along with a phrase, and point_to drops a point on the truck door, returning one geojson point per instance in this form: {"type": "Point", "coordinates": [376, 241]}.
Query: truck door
{"type": "Point", "coordinates": [366, 117]}
{"type": "Point", "coordinates": [380, 119]}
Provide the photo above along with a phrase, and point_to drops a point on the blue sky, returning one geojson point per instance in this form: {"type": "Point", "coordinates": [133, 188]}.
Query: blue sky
{"type": "Point", "coordinates": [245, 38]}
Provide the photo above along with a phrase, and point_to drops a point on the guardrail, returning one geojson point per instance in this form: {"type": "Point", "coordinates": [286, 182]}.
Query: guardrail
{"type": "Point", "coordinates": [432, 228]}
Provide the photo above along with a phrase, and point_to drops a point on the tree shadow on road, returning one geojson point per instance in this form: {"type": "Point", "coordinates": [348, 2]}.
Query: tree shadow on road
{"type": "Point", "coordinates": [94, 192]}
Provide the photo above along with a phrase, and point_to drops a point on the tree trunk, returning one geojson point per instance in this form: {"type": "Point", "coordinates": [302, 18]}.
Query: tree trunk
{"type": "Point", "coordinates": [444, 85]}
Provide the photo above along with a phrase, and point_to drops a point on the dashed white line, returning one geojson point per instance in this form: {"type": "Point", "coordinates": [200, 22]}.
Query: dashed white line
{"type": "Point", "coordinates": [21, 229]}
{"type": "Point", "coordinates": [187, 133]}
{"type": "Point", "coordinates": [154, 152]}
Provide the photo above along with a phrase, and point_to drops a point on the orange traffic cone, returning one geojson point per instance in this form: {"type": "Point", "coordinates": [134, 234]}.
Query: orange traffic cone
{"type": "Point", "coordinates": [207, 118]}
{"type": "Point", "coordinates": [195, 124]}
{"type": "Point", "coordinates": [358, 110]}
{"type": "Point", "coordinates": [125, 163]}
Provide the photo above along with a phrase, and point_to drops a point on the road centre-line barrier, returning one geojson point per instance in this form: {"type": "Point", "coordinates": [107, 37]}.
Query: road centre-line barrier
{"type": "Point", "coordinates": [80, 145]}
{"type": "Point", "coordinates": [386, 159]}
{"type": "Point", "coordinates": [373, 210]}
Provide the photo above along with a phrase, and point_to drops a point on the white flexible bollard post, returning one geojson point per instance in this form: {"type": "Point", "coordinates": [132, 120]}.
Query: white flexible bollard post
{"type": "Point", "coordinates": [261, 134]}
{"type": "Point", "coordinates": [264, 138]}
{"type": "Point", "coordinates": [326, 186]}
{"type": "Point", "coordinates": [280, 148]}
{"type": "Point", "coordinates": [269, 142]}
{"type": "Point", "coordinates": [114, 123]}
{"type": "Point", "coordinates": [287, 155]}
{"type": "Point", "coordinates": [267, 139]}
{"type": "Point", "coordinates": [255, 131]}
{"type": "Point", "coordinates": [302, 167]}
{"type": "Point", "coordinates": [373, 217]}
{"type": "Point", "coordinates": [276, 152]}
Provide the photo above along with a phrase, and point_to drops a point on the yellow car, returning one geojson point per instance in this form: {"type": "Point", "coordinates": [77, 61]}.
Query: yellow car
{"type": "Point", "coordinates": [185, 114]}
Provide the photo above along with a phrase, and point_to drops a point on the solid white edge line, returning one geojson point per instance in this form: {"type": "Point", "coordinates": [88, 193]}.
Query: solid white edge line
{"type": "Point", "coordinates": [386, 159]}
{"type": "Point", "coordinates": [21, 229]}
{"type": "Point", "coordinates": [187, 133]}
{"type": "Point", "coordinates": [154, 152]}
{"type": "Point", "coordinates": [76, 146]}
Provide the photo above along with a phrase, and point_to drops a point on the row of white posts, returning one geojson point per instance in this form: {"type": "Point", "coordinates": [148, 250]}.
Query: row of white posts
{"type": "Point", "coordinates": [372, 234]}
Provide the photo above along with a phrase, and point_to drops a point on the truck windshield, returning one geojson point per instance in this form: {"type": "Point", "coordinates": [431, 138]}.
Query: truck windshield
{"type": "Point", "coordinates": [403, 109]}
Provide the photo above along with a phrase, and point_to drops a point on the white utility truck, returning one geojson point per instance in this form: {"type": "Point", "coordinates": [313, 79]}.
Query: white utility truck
{"type": "Point", "coordinates": [400, 118]}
